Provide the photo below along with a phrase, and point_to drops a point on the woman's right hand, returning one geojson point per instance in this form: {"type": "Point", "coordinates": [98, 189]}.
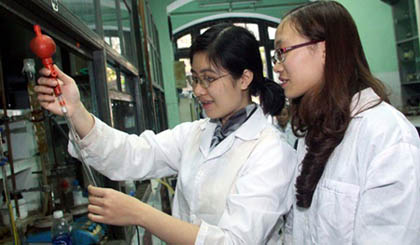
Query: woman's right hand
{"type": "Point", "coordinates": [79, 116]}
{"type": "Point", "coordinates": [47, 98]}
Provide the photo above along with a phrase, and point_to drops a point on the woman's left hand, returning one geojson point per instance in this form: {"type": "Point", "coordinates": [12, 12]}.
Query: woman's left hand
{"type": "Point", "coordinates": [109, 206]}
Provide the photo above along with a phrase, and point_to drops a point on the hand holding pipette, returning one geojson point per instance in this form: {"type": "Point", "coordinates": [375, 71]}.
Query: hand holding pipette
{"type": "Point", "coordinates": [69, 93]}
{"type": "Point", "coordinates": [58, 92]}
{"type": "Point", "coordinates": [55, 89]}
{"type": "Point", "coordinates": [44, 47]}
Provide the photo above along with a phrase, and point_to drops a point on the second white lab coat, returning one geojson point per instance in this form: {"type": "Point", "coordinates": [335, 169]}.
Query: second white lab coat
{"type": "Point", "coordinates": [247, 213]}
{"type": "Point", "coordinates": [369, 192]}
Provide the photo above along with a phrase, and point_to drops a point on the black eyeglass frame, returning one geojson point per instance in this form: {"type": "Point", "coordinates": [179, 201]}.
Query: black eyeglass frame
{"type": "Point", "coordinates": [195, 80]}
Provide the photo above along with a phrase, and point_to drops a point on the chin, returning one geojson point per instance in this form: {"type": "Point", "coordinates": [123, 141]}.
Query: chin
{"type": "Point", "coordinates": [211, 115]}
{"type": "Point", "coordinates": [292, 95]}
{"type": "Point", "coordinates": [289, 95]}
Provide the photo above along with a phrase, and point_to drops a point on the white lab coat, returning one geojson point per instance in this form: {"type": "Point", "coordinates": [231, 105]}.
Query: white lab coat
{"type": "Point", "coordinates": [247, 213]}
{"type": "Point", "coordinates": [369, 192]}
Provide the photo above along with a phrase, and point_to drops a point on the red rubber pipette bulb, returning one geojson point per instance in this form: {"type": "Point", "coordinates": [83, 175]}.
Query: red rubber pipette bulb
{"type": "Point", "coordinates": [44, 47]}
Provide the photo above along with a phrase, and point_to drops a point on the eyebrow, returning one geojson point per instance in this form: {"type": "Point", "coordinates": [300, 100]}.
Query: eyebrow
{"type": "Point", "coordinates": [277, 43]}
{"type": "Point", "coordinates": [204, 70]}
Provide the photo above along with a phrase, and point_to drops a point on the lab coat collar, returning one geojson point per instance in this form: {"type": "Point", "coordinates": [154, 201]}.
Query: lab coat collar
{"type": "Point", "coordinates": [253, 127]}
{"type": "Point", "coordinates": [250, 130]}
{"type": "Point", "coordinates": [362, 101]}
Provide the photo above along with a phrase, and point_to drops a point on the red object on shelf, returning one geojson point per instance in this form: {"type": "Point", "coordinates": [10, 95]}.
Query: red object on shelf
{"type": "Point", "coordinates": [44, 47]}
{"type": "Point", "coordinates": [64, 184]}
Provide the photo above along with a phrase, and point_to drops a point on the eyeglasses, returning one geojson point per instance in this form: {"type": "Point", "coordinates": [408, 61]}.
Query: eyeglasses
{"type": "Point", "coordinates": [279, 54]}
{"type": "Point", "coordinates": [204, 81]}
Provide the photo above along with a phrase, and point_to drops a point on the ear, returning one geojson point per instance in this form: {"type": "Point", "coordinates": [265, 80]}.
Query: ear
{"type": "Point", "coordinates": [246, 79]}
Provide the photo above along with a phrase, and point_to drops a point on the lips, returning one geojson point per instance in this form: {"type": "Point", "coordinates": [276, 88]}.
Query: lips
{"type": "Point", "coordinates": [283, 81]}
{"type": "Point", "coordinates": [205, 103]}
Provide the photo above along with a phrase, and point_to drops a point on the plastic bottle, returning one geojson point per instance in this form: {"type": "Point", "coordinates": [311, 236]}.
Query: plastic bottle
{"type": "Point", "coordinates": [60, 230]}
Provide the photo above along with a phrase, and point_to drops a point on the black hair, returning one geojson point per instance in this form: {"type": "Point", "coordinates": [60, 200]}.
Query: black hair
{"type": "Point", "coordinates": [235, 49]}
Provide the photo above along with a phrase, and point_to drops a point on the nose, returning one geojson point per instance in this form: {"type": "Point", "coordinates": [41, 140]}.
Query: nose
{"type": "Point", "coordinates": [199, 90]}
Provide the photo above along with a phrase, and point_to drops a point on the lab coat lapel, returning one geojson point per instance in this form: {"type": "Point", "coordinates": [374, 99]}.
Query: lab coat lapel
{"type": "Point", "coordinates": [222, 147]}
{"type": "Point", "coordinates": [253, 127]}
{"type": "Point", "coordinates": [207, 130]}
{"type": "Point", "coordinates": [248, 131]}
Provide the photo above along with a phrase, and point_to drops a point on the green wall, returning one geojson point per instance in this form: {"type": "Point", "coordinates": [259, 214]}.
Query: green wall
{"type": "Point", "coordinates": [158, 9]}
{"type": "Point", "coordinates": [376, 29]}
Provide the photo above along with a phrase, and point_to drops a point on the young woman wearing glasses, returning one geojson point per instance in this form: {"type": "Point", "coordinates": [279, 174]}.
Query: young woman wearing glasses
{"type": "Point", "coordinates": [358, 177]}
{"type": "Point", "coordinates": [233, 168]}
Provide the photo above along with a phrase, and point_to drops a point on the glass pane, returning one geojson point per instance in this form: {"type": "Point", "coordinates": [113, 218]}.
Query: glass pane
{"type": "Point", "coordinates": [184, 41]}
{"type": "Point", "coordinates": [115, 44]}
{"type": "Point", "coordinates": [151, 59]}
{"type": "Point", "coordinates": [264, 61]}
{"type": "Point", "coordinates": [79, 71]}
{"type": "Point", "coordinates": [108, 40]}
{"type": "Point", "coordinates": [203, 30]}
{"type": "Point", "coordinates": [124, 86]}
{"type": "Point", "coordinates": [84, 9]}
{"type": "Point", "coordinates": [272, 32]}
{"type": "Point", "coordinates": [123, 114]}
{"type": "Point", "coordinates": [126, 83]}
{"type": "Point", "coordinates": [187, 72]}
{"type": "Point", "coordinates": [155, 69]}
{"type": "Point", "coordinates": [251, 27]}
{"type": "Point", "coordinates": [111, 78]}
{"type": "Point", "coordinates": [160, 111]}
{"type": "Point", "coordinates": [126, 26]}
{"type": "Point", "coordinates": [187, 65]}
{"type": "Point", "coordinates": [159, 72]}
{"type": "Point", "coordinates": [110, 24]}
{"type": "Point", "coordinates": [78, 65]}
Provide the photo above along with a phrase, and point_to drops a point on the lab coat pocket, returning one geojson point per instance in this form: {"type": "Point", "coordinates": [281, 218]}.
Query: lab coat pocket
{"type": "Point", "coordinates": [333, 212]}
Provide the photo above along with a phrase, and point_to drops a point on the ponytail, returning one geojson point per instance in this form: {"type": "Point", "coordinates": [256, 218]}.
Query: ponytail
{"type": "Point", "coordinates": [271, 94]}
